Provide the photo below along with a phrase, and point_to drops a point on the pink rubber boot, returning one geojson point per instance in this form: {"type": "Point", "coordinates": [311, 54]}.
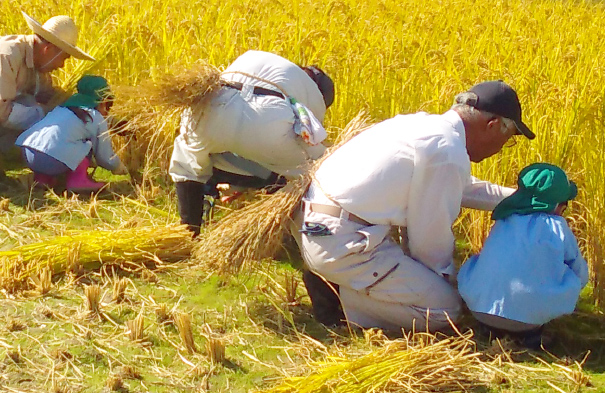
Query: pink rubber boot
{"type": "Point", "coordinates": [43, 180]}
{"type": "Point", "coordinates": [78, 181]}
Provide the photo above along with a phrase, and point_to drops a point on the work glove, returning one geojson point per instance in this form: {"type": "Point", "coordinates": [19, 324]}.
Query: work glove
{"type": "Point", "coordinates": [120, 170]}
{"type": "Point", "coordinates": [22, 117]}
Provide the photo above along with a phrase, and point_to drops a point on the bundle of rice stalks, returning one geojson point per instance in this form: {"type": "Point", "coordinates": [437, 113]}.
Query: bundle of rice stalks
{"type": "Point", "coordinates": [148, 114]}
{"type": "Point", "coordinates": [421, 363]}
{"type": "Point", "coordinates": [257, 231]}
{"type": "Point", "coordinates": [253, 233]}
{"type": "Point", "coordinates": [139, 246]}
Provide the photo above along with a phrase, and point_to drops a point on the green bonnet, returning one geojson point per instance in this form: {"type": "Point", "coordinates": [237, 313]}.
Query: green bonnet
{"type": "Point", "coordinates": [92, 90]}
{"type": "Point", "coordinates": [541, 188]}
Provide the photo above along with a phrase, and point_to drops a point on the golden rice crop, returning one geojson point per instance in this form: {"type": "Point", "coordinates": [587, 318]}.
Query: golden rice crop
{"type": "Point", "coordinates": [140, 245]}
{"type": "Point", "coordinates": [386, 57]}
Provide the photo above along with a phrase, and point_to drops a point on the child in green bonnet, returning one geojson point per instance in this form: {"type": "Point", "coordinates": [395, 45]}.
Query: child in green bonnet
{"type": "Point", "coordinates": [66, 138]}
{"type": "Point", "coordinates": [530, 270]}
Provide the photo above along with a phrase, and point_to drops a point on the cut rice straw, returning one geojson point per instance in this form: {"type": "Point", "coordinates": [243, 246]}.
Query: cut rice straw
{"type": "Point", "coordinates": [418, 363]}
{"type": "Point", "coordinates": [148, 114]}
{"type": "Point", "coordinates": [139, 245]}
{"type": "Point", "coordinates": [145, 105]}
{"type": "Point", "coordinates": [256, 232]}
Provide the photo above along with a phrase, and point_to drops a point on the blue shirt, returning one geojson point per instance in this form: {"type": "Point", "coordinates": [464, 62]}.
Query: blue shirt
{"type": "Point", "coordinates": [63, 136]}
{"type": "Point", "coordinates": [529, 270]}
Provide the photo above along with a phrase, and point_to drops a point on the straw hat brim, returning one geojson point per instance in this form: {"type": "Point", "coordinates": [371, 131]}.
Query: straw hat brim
{"type": "Point", "coordinates": [53, 39]}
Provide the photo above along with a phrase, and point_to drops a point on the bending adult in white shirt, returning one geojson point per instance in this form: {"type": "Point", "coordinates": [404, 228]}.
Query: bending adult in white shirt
{"type": "Point", "coordinates": [411, 171]}
{"type": "Point", "coordinates": [245, 135]}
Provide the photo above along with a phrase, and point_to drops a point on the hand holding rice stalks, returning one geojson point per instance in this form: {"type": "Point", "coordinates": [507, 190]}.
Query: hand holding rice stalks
{"type": "Point", "coordinates": [139, 246]}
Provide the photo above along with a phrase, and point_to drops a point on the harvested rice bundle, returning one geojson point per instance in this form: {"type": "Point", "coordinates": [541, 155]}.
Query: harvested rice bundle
{"type": "Point", "coordinates": [146, 105]}
{"type": "Point", "coordinates": [139, 245]}
{"type": "Point", "coordinates": [149, 113]}
{"type": "Point", "coordinates": [256, 232]}
{"type": "Point", "coordinates": [448, 365]}
{"type": "Point", "coordinates": [252, 233]}
{"type": "Point", "coordinates": [425, 365]}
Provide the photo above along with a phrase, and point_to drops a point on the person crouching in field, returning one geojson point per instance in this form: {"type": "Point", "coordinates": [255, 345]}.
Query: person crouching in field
{"type": "Point", "coordinates": [66, 138]}
{"type": "Point", "coordinates": [530, 270]}
{"type": "Point", "coordinates": [26, 63]}
{"type": "Point", "coordinates": [263, 125]}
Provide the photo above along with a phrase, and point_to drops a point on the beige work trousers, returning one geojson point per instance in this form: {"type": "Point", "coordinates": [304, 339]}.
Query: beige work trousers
{"type": "Point", "coordinates": [380, 286]}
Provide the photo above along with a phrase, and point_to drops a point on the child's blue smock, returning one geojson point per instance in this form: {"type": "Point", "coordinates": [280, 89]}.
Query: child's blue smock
{"type": "Point", "coordinates": [529, 270]}
{"type": "Point", "coordinates": [63, 136]}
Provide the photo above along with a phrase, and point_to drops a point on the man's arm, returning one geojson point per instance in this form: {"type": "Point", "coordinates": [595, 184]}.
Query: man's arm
{"type": "Point", "coordinates": [13, 114]}
{"type": "Point", "coordinates": [434, 205]}
{"type": "Point", "coordinates": [483, 195]}
{"type": "Point", "coordinates": [8, 87]}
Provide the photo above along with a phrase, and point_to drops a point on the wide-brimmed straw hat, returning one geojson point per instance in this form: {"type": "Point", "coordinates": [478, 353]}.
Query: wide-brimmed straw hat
{"type": "Point", "coordinates": [60, 31]}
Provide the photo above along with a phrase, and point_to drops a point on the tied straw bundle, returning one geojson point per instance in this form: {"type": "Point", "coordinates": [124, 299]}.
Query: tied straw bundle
{"type": "Point", "coordinates": [148, 114]}
{"type": "Point", "coordinates": [256, 232]}
{"type": "Point", "coordinates": [91, 249]}
{"type": "Point", "coordinates": [423, 363]}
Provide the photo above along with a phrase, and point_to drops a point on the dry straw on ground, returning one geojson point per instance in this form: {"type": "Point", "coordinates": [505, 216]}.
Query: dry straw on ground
{"type": "Point", "coordinates": [256, 231]}
{"type": "Point", "coordinates": [138, 246]}
{"type": "Point", "coordinates": [423, 363]}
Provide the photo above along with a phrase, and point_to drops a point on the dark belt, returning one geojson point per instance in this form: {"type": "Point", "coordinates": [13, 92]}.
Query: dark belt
{"type": "Point", "coordinates": [259, 91]}
{"type": "Point", "coordinates": [335, 211]}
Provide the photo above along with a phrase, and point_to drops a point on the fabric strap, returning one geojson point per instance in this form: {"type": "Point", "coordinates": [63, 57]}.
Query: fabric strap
{"type": "Point", "coordinates": [259, 91]}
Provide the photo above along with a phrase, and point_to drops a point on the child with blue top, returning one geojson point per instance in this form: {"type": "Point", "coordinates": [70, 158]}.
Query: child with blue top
{"type": "Point", "coordinates": [530, 270]}
{"type": "Point", "coordinates": [66, 138]}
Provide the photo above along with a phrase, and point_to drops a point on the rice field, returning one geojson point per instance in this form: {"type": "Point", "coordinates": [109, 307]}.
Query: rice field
{"type": "Point", "coordinates": [387, 57]}
{"type": "Point", "coordinates": [193, 331]}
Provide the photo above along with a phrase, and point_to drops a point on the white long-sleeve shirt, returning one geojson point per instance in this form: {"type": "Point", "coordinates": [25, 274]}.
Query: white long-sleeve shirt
{"type": "Point", "coordinates": [63, 136]}
{"type": "Point", "coordinates": [259, 128]}
{"type": "Point", "coordinates": [410, 171]}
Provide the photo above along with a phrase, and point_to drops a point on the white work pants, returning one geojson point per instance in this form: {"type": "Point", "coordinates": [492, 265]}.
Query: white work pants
{"type": "Point", "coordinates": [380, 286]}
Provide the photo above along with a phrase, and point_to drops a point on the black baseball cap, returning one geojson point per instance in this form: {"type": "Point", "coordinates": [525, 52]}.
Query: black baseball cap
{"type": "Point", "coordinates": [324, 83]}
{"type": "Point", "coordinates": [500, 99]}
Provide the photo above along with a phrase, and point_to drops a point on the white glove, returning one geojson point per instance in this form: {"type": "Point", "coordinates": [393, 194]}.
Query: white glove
{"type": "Point", "coordinates": [120, 170]}
{"type": "Point", "coordinates": [22, 117]}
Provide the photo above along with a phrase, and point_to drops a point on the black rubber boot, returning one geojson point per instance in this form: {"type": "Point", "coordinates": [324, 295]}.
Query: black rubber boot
{"type": "Point", "coordinates": [326, 304]}
{"type": "Point", "coordinates": [190, 195]}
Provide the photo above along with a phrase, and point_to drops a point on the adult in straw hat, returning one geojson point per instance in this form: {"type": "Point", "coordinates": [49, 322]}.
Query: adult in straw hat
{"type": "Point", "coordinates": [411, 171]}
{"type": "Point", "coordinates": [26, 62]}
{"type": "Point", "coordinates": [261, 128]}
